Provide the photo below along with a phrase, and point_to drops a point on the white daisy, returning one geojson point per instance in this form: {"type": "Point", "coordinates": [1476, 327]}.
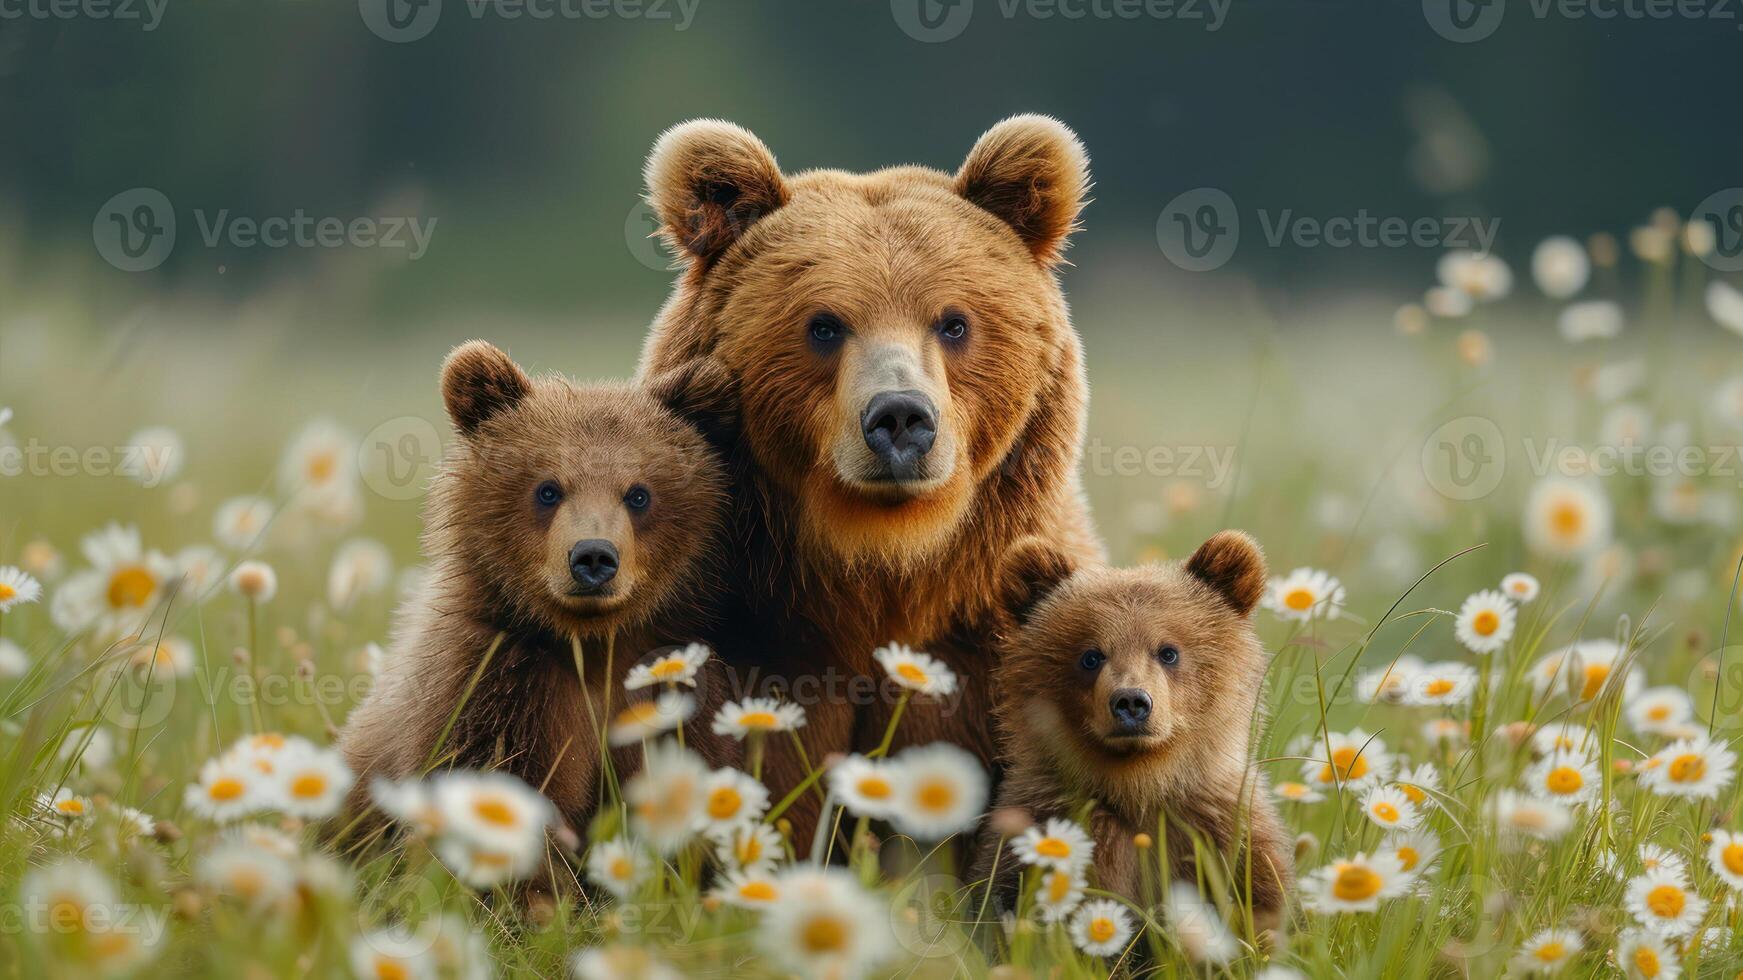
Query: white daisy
{"type": "Point", "coordinates": [254, 581]}
{"type": "Point", "coordinates": [748, 847]}
{"type": "Point", "coordinates": [1548, 951]}
{"type": "Point", "coordinates": [1419, 784]}
{"type": "Point", "coordinates": [17, 588]}
{"type": "Point", "coordinates": [227, 789]}
{"type": "Point", "coordinates": [66, 805]}
{"type": "Point", "coordinates": [618, 866]}
{"type": "Point", "coordinates": [621, 963]}
{"type": "Point", "coordinates": [121, 588]}
{"type": "Point", "coordinates": [1583, 670]}
{"type": "Point", "coordinates": [1598, 319]}
{"type": "Point", "coordinates": [822, 923]}
{"type": "Point", "coordinates": [1655, 857]}
{"type": "Point", "coordinates": [1727, 405]}
{"type": "Point", "coordinates": [1356, 759]}
{"type": "Point", "coordinates": [1725, 856]}
{"type": "Point", "coordinates": [167, 656]}
{"type": "Point", "coordinates": [919, 672]}
{"type": "Point", "coordinates": [1645, 954]}
{"type": "Point", "coordinates": [1448, 730]}
{"type": "Point", "coordinates": [14, 662]}
{"type": "Point", "coordinates": [1560, 266]}
{"type": "Point", "coordinates": [392, 954]}
{"type": "Point", "coordinates": [89, 749]}
{"type": "Point", "coordinates": [1485, 622]}
{"type": "Point", "coordinates": [1390, 809]}
{"type": "Point", "coordinates": [677, 667]}
{"type": "Point", "coordinates": [867, 787]}
{"type": "Point", "coordinates": [1059, 893]}
{"type": "Point", "coordinates": [1101, 927]}
{"type": "Point", "coordinates": [1293, 792]}
{"type": "Point", "coordinates": [485, 867]}
{"type": "Point", "coordinates": [1060, 844]}
{"type": "Point", "coordinates": [1518, 815]}
{"type": "Point", "coordinates": [1692, 767]}
{"type": "Point", "coordinates": [1198, 926]}
{"type": "Point", "coordinates": [1390, 682]}
{"type": "Point", "coordinates": [320, 462]}
{"type": "Point", "coordinates": [1446, 302]}
{"type": "Point", "coordinates": [757, 716]}
{"type": "Point", "coordinates": [1355, 884]}
{"type": "Point", "coordinates": [1663, 901]}
{"type": "Point", "coordinates": [1480, 275]}
{"type": "Point", "coordinates": [1564, 737]}
{"type": "Point", "coordinates": [731, 797]}
{"type": "Point", "coordinates": [493, 811]}
{"type": "Point", "coordinates": [1567, 518]}
{"type": "Point", "coordinates": [940, 790]}
{"type": "Point", "coordinates": [361, 567]}
{"type": "Point", "coordinates": [82, 908]}
{"type": "Point", "coordinates": [1520, 588]}
{"type": "Point", "coordinates": [1305, 594]}
{"type": "Point", "coordinates": [1659, 710]}
{"type": "Point", "coordinates": [1725, 304]}
{"type": "Point", "coordinates": [409, 802]}
{"type": "Point", "coordinates": [1566, 777]}
{"type": "Point", "coordinates": [258, 879]}
{"type": "Point", "coordinates": [667, 798]}
{"type": "Point", "coordinates": [1443, 684]}
{"type": "Point", "coordinates": [1415, 850]}
{"type": "Point", "coordinates": [240, 522]}
{"type": "Point", "coordinates": [153, 456]}
{"type": "Point", "coordinates": [646, 719]}
{"type": "Point", "coordinates": [753, 889]}
{"type": "Point", "coordinates": [311, 782]}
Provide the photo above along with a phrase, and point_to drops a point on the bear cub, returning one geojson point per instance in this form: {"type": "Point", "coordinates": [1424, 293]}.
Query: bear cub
{"type": "Point", "coordinates": [565, 515]}
{"type": "Point", "coordinates": [1139, 689]}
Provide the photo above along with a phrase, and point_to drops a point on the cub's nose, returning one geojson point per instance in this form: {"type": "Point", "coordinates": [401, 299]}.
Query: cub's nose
{"type": "Point", "coordinates": [592, 563]}
{"type": "Point", "coordinates": [1130, 707]}
{"type": "Point", "coordinates": [899, 427]}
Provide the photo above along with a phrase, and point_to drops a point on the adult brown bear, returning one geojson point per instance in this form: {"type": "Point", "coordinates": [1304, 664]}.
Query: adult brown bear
{"type": "Point", "coordinates": [911, 401]}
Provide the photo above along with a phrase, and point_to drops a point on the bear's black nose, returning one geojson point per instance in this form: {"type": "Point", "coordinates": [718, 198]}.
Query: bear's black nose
{"type": "Point", "coordinates": [899, 427]}
{"type": "Point", "coordinates": [592, 563]}
{"type": "Point", "coordinates": [1131, 708]}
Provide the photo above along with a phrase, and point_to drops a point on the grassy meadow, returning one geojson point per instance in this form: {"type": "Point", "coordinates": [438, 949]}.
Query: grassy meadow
{"type": "Point", "coordinates": [1502, 519]}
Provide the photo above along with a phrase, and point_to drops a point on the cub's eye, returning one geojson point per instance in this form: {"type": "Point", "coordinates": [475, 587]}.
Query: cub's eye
{"type": "Point", "coordinates": [638, 498]}
{"type": "Point", "coordinates": [1092, 660]}
{"type": "Point", "coordinates": [953, 327]}
{"type": "Point", "coordinates": [1169, 655]}
{"type": "Point", "coordinates": [825, 329]}
{"type": "Point", "coordinates": [548, 494]}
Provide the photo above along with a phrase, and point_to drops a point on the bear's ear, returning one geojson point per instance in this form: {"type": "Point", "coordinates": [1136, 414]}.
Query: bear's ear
{"type": "Point", "coordinates": [703, 393]}
{"type": "Point", "coordinates": [478, 381]}
{"type": "Point", "coordinates": [1028, 573]}
{"type": "Point", "coordinates": [708, 181]}
{"type": "Point", "coordinates": [1233, 566]}
{"type": "Point", "coordinates": [1032, 173]}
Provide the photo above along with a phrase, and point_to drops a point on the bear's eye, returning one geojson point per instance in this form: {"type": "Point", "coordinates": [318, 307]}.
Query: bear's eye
{"type": "Point", "coordinates": [1092, 660]}
{"type": "Point", "coordinates": [638, 498]}
{"type": "Point", "coordinates": [1169, 655]}
{"type": "Point", "coordinates": [824, 330]}
{"type": "Point", "coordinates": [953, 327]}
{"type": "Point", "coordinates": [548, 494]}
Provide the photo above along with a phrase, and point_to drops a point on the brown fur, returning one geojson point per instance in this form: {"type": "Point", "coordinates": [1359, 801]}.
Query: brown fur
{"type": "Point", "coordinates": [499, 568]}
{"type": "Point", "coordinates": [1193, 764]}
{"type": "Point", "coordinates": [833, 564]}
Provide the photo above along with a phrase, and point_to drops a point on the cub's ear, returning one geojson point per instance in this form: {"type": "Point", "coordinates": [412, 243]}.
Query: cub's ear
{"type": "Point", "coordinates": [478, 381]}
{"type": "Point", "coordinates": [1028, 573]}
{"type": "Point", "coordinates": [1233, 566]}
{"type": "Point", "coordinates": [703, 393]}
{"type": "Point", "coordinates": [708, 181]}
{"type": "Point", "coordinates": [1032, 173]}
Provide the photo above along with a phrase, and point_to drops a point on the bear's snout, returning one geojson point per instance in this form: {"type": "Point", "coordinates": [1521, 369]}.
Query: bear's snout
{"type": "Point", "coordinates": [592, 563]}
{"type": "Point", "coordinates": [1130, 707]}
{"type": "Point", "coordinates": [899, 428]}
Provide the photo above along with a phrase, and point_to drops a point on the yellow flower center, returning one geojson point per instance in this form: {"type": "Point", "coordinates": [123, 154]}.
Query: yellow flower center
{"type": "Point", "coordinates": [322, 466]}
{"type": "Point", "coordinates": [1292, 791]}
{"type": "Point", "coordinates": [621, 868]}
{"type": "Point", "coordinates": [936, 796]}
{"type": "Point", "coordinates": [668, 668]}
{"type": "Point", "coordinates": [724, 803]}
{"type": "Point", "coordinates": [911, 674]}
{"type": "Point", "coordinates": [1563, 780]}
{"type": "Point", "coordinates": [1348, 763]}
{"type": "Point", "coordinates": [638, 714]}
{"type": "Point", "coordinates": [824, 934]}
{"type": "Point", "coordinates": [247, 881]}
{"type": "Point", "coordinates": [1666, 901]}
{"type": "Point", "coordinates": [7, 592]}
{"type": "Point", "coordinates": [1646, 961]}
{"type": "Point", "coordinates": [1355, 883]}
{"type": "Point", "coordinates": [1053, 847]}
{"type": "Point", "coordinates": [1439, 687]}
{"type": "Point", "coordinates": [757, 891]}
{"type": "Point", "coordinates": [874, 787]}
{"type": "Point", "coordinates": [757, 719]}
{"type": "Point", "coordinates": [495, 810]}
{"type": "Point", "coordinates": [1732, 856]}
{"type": "Point", "coordinates": [72, 805]}
{"type": "Point", "coordinates": [1385, 812]}
{"type": "Point", "coordinates": [390, 969]}
{"type": "Point", "coordinates": [1407, 856]}
{"type": "Point", "coordinates": [1550, 952]}
{"type": "Point", "coordinates": [131, 587]}
{"type": "Point", "coordinates": [1299, 600]}
{"type": "Point", "coordinates": [1101, 929]}
{"type": "Point", "coordinates": [750, 849]}
{"type": "Point", "coordinates": [1658, 712]}
{"type": "Point", "coordinates": [225, 788]}
{"type": "Point", "coordinates": [1413, 793]}
{"type": "Point", "coordinates": [1567, 518]}
{"type": "Point", "coordinates": [1596, 674]}
{"type": "Point", "coordinates": [308, 785]}
{"type": "Point", "coordinates": [1485, 623]}
{"type": "Point", "coordinates": [1058, 887]}
{"type": "Point", "coordinates": [1687, 768]}
{"type": "Point", "coordinates": [66, 913]}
